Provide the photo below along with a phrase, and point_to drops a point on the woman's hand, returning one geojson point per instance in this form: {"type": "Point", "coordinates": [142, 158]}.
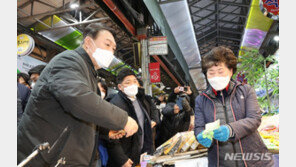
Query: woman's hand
{"type": "Point", "coordinates": [203, 141]}
{"type": "Point", "coordinates": [222, 134]}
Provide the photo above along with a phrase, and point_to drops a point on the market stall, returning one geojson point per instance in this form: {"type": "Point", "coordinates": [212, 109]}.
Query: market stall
{"type": "Point", "coordinates": [181, 149]}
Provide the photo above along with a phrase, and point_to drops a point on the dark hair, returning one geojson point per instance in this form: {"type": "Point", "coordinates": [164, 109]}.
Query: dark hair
{"type": "Point", "coordinates": [36, 70]}
{"type": "Point", "coordinates": [140, 82]}
{"type": "Point", "coordinates": [218, 55]}
{"type": "Point", "coordinates": [93, 29]}
{"type": "Point", "coordinates": [104, 85]}
{"type": "Point", "coordinates": [124, 73]}
{"type": "Point", "coordinates": [25, 76]}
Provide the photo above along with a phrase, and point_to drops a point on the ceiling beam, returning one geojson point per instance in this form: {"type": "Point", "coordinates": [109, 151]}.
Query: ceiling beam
{"type": "Point", "coordinates": [193, 2]}
{"type": "Point", "coordinates": [206, 34]}
{"type": "Point", "coordinates": [168, 1]}
{"type": "Point", "coordinates": [234, 4]}
{"type": "Point", "coordinates": [205, 26]}
{"type": "Point", "coordinates": [53, 12]}
{"type": "Point", "coordinates": [230, 22]}
{"type": "Point", "coordinates": [209, 15]}
{"type": "Point", "coordinates": [46, 4]}
{"type": "Point", "coordinates": [228, 38]}
{"type": "Point", "coordinates": [201, 9]}
{"type": "Point", "coordinates": [231, 31]}
{"type": "Point", "coordinates": [234, 14]}
{"type": "Point", "coordinates": [25, 4]}
{"type": "Point", "coordinates": [76, 24]}
{"type": "Point", "coordinates": [166, 69]}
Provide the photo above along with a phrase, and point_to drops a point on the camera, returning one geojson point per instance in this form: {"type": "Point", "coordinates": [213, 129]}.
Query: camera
{"type": "Point", "coordinates": [183, 89]}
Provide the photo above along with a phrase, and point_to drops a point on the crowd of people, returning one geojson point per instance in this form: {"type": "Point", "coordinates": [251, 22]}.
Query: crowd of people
{"type": "Point", "coordinates": [114, 129]}
{"type": "Point", "coordinates": [159, 118]}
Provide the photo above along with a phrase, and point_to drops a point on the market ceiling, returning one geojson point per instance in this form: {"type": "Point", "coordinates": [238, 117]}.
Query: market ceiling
{"type": "Point", "coordinates": [62, 24]}
{"type": "Point", "coordinates": [218, 22]}
{"type": "Point", "coordinates": [215, 23]}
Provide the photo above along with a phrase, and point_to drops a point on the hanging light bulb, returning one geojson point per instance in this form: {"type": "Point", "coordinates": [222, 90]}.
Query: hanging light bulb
{"type": "Point", "coordinates": [74, 6]}
{"type": "Point", "coordinates": [276, 38]}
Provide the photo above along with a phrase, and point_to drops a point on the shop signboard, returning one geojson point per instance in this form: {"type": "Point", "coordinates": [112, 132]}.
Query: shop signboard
{"type": "Point", "coordinates": [25, 44]}
{"type": "Point", "coordinates": [270, 8]}
{"type": "Point", "coordinates": [25, 63]}
{"type": "Point", "coordinates": [158, 45]}
{"type": "Point", "coordinates": [154, 70]}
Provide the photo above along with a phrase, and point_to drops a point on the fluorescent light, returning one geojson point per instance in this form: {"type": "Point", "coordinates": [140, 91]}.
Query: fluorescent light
{"type": "Point", "coordinates": [74, 6]}
{"type": "Point", "coordinates": [276, 38]}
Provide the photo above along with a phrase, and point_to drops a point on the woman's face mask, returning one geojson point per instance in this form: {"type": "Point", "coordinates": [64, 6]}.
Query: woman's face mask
{"type": "Point", "coordinates": [219, 76]}
{"type": "Point", "coordinates": [219, 83]}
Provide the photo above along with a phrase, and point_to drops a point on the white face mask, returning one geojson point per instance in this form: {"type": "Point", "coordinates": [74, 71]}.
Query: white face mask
{"type": "Point", "coordinates": [33, 84]}
{"type": "Point", "coordinates": [162, 105]}
{"type": "Point", "coordinates": [103, 95]}
{"type": "Point", "coordinates": [103, 57]}
{"type": "Point", "coordinates": [131, 91]}
{"type": "Point", "coordinates": [219, 83]}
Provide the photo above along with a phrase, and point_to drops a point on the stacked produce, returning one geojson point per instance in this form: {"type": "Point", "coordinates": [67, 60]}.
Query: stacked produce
{"type": "Point", "coordinates": [181, 142]}
{"type": "Point", "coordinates": [269, 131]}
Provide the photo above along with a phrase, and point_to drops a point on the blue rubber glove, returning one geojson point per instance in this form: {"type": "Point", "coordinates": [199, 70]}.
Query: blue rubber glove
{"type": "Point", "coordinates": [204, 141]}
{"type": "Point", "coordinates": [222, 134]}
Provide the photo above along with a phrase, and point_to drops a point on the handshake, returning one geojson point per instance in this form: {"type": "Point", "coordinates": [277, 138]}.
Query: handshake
{"type": "Point", "coordinates": [130, 128]}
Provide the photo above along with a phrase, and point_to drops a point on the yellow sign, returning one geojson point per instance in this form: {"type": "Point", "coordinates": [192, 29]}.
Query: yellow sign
{"type": "Point", "coordinates": [25, 44]}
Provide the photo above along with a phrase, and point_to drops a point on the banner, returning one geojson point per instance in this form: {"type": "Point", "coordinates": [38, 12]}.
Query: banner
{"type": "Point", "coordinates": [25, 63]}
{"type": "Point", "coordinates": [154, 71]}
{"type": "Point", "coordinates": [158, 45]}
{"type": "Point", "coordinates": [270, 8]}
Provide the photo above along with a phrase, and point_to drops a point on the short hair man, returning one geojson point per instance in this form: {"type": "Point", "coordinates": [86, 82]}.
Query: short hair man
{"type": "Point", "coordinates": [34, 74]}
{"type": "Point", "coordinates": [126, 151]}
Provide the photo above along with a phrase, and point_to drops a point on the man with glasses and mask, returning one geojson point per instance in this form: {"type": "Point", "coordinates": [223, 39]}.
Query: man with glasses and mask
{"type": "Point", "coordinates": [66, 96]}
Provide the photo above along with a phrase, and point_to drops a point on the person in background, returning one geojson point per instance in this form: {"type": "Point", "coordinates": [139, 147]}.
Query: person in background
{"type": "Point", "coordinates": [103, 88]}
{"type": "Point", "coordinates": [176, 115]}
{"type": "Point", "coordinates": [23, 94]}
{"type": "Point", "coordinates": [24, 79]}
{"type": "Point", "coordinates": [126, 152]}
{"type": "Point", "coordinates": [236, 106]}
{"type": "Point", "coordinates": [152, 111]}
{"type": "Point", "coordinates": [105, 134]}
{"type": "Point", "coordinates": [34, 74]}
{"type": "Point", "coordinates": [65, 96]}
{"type": "Point", "coordinates": [161, 103]}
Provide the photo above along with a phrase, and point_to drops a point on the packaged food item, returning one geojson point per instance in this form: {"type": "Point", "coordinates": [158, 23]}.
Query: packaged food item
{"type": "Point", "coordinates": [209, 129]}
{"type": "Point", "coordinates": [167, 145]}
{"type": "Point", "coordinates": [194, 145]}
{"type": "Point", "coordinates": [185, 139]}
{"type": "Point", "coordinates": [175, 140]}
{"type": "Point", "coordinates": [175, 147]}
{"type": "Point", "coordinates": [188, 144]}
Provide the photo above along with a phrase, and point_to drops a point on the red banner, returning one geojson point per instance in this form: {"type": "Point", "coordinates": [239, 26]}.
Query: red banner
{"type": "Point", "coordinates": [272, 6]}
{"type": "Point", "coordinates": [154, 70]}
